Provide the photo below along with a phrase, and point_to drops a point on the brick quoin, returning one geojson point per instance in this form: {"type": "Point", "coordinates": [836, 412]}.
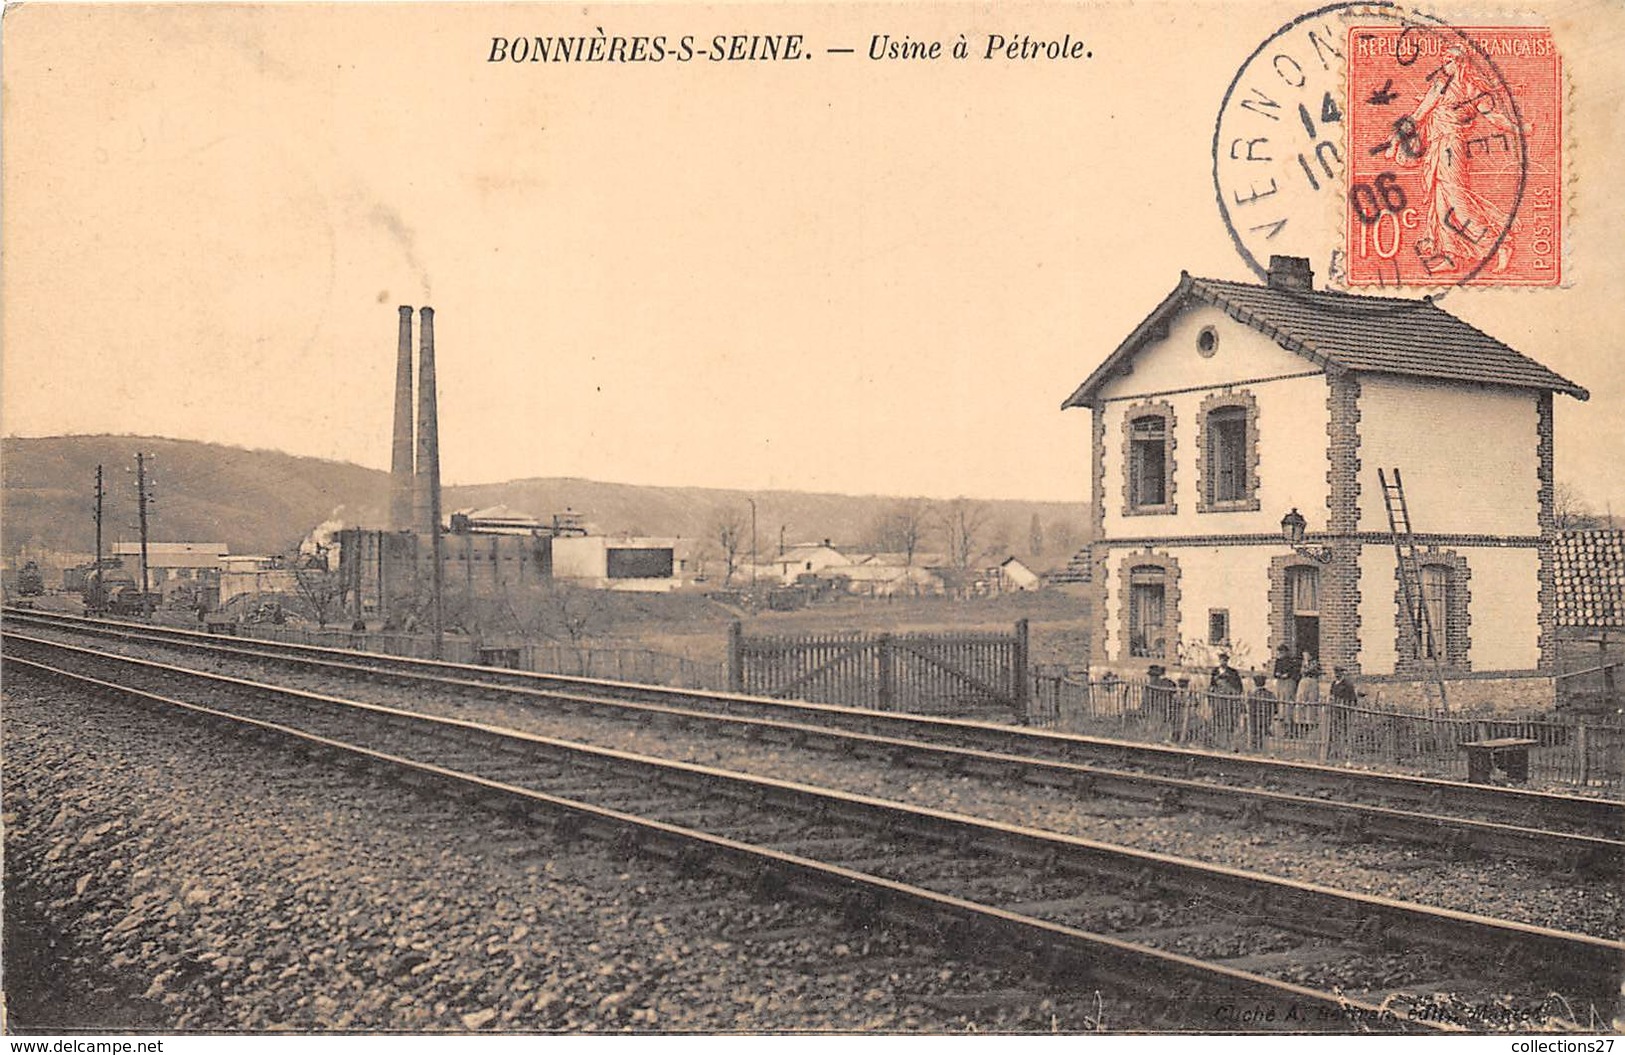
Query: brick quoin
{"type": "Point", "coordinates": [1097, 551]}
{"type": "Point", "coordinates": [1340, 579]}
{"type": "Point", "coordinates": [1548, 534]}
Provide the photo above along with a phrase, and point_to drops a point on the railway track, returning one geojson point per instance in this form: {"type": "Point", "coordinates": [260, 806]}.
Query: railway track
{"type": "Point", "coordinates": [1077, 905]}
{"type": "Point", "coordinates": [1560, 831]}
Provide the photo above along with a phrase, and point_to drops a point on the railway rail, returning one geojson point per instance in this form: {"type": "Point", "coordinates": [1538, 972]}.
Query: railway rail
{"type": "Point", "coordinates": [1255, 937]}
{"type": "Point", "coordinates": [1562, 831]}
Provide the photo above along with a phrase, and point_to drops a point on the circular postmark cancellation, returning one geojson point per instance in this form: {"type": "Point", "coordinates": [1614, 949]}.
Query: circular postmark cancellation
{"type": "Point", "coordinates": [1394, 150]}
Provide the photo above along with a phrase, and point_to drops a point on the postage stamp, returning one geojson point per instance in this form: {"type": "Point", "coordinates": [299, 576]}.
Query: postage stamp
{"type": "Point", "coordinates": [1394, 149]}
{"type": "Point", "coordinates": [1455, 146]}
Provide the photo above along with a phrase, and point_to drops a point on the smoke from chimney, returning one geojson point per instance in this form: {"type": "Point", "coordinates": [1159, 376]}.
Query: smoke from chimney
{"type": "Point", "coordinates": [400, 462]}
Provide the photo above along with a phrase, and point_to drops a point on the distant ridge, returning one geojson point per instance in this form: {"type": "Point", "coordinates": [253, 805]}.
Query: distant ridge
{"type": "Point", "coordinates": [266, 501]}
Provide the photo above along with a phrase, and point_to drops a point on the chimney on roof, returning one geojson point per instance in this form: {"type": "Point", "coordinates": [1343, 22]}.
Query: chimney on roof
{"type": "Point", "coordinates": [1291, 272]}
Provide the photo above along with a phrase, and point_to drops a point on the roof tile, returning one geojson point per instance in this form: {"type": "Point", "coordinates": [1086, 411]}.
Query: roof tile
{"type": "Point", "coordinates": [1353, 332]}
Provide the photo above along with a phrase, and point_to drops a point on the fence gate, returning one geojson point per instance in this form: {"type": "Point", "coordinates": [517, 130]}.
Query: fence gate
{"type": "Point", "coordinates": [963, 674]}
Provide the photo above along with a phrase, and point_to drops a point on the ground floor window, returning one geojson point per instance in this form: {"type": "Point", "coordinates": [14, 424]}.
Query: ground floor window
{"type": "Point", "coordinates": [1433, 618]}
{"type": "Point", "coordinates": [1148, 612]}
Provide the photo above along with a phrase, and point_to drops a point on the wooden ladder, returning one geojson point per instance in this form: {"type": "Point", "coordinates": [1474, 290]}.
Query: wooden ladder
{"type": "Point", "coordinates": [1410, 576]}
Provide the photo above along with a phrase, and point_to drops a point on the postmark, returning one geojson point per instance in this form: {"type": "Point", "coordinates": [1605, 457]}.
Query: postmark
{"type": "Point", "coordinates": [1278, 160]}
{"type": "Point", "coordinates": [1455, 157]}
{"type": "Point", "coordinates": [1301, 145]}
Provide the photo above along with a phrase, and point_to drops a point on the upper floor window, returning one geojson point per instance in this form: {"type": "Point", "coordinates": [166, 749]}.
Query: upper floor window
{"type": "Point", "coordinates": [1149, 460]}
{"type": "Point", "coordinates": [1227, 438]}
{"type": "Point", "coordinates": [1148, 464]}
{"type": "Point", "coordinates": [1229, 453]}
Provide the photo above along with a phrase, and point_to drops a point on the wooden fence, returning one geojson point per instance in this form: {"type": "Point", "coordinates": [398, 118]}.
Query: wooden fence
{"type": "Point", "coordinates": [1583, 754]}
{"type": "Point", "coordinates": [967, 674]}
{"type": "Point", "coordinates": [585, 660]}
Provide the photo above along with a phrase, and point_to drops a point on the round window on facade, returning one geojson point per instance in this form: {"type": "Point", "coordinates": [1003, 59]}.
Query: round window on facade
{"type": "Point", "coordinates": [1207, 342]}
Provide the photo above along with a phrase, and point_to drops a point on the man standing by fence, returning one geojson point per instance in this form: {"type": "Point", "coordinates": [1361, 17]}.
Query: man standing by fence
{"type": "Point", "coordinates": [1345, 697]}
{"type": "Point", "coordinates": [1260, 713]}
{"type": "Point", "coordinates": [1288, 670]}
{"type": "Point", "coordinates": [1162, 699]}
{"type": "Point", "coordinates": [1224, 697]}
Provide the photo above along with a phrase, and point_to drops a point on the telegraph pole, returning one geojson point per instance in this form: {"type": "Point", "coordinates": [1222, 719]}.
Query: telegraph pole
{"type": "Point", "coordinates": [752, 502]}
{"type": "Point", "coordinates": [141, 498]}
{"type": "Point", "coordinates": [94, 597]}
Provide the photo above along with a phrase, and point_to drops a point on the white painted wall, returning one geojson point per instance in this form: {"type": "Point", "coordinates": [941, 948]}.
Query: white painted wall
{"type": "Point", "coordinates": [1173, 362]}
{"type": "Point", "coordinates": [1468, 455]}
{"type": "Point", "coordinates": [1504, 606]}
{"type": "Point", "coordinates": [1378, 609]}
{"type": "Point", "coordinates": [584, 560]}
{"type": "Point", "coordinates": [1292, 419]}
{"type": "Point", "coordinates": [1232, 577]}
{"type": "Point", "coordinates": [579, 557]}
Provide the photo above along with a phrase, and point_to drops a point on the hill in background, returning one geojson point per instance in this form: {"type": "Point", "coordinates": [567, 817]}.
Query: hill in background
{"type": "Point", "coordinates": [266, 501]}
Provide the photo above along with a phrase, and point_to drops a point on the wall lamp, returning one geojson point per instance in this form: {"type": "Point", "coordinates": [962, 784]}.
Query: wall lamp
{"type": "Point", "coordinates": [1293, 526]}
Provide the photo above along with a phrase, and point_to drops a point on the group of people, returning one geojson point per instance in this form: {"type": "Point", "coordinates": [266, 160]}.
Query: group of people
{"type": "Point", "coordinates": [1232, 704]}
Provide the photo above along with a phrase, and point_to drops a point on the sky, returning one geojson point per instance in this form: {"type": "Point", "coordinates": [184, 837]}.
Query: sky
{"type": "Point", "coordinates": [833, 274]}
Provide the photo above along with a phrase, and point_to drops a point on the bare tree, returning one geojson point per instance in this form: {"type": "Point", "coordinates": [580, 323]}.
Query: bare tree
{"type": "Point", "coordinates": [963, 523]}
{"type": "Point", "coordinates": [902, 528]}
{"type": "Point", "coordinates": [1063, 536]}
{"type": "Point", "coordinates": [1570, 510]}
{"type": "Point", "coordinates": [318, 583]}
{"type": "Point", "coordinates": [1035, 537]}
{"type": "Point", "coordinates": [730, 529]}
{"type": "Point", "coordinates": [559, 612]}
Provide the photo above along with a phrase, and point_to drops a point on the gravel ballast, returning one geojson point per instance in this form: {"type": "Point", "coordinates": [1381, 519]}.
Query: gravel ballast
{"type": "Point", "coordinates": [165, 878]}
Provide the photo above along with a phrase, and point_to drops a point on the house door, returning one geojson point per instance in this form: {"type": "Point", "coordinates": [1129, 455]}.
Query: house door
{"type": "Point", "coordinates": [1303, 622]}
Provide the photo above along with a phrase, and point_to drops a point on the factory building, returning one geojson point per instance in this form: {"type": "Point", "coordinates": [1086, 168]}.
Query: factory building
{"type": "Point", "coordinates": [190, 570]}
{"type": "Point", "coordinates": [391, 572]}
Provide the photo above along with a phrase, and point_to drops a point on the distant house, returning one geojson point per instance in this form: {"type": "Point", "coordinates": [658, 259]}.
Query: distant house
{"type": "Point", "coordinates": [888, 575]}
{"type": "Point", "coordinates": [1011, 575]}
{"type": "Point", "coordinates": [1237, 414]}
{"type": "Point", "coordinates": [813, 558]}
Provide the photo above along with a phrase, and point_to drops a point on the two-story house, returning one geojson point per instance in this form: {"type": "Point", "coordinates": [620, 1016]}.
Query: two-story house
{"type": "Point", "coordinates": [1235, 407]}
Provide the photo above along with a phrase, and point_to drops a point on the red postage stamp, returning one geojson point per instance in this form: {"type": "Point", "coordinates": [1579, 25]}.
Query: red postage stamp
{"type": "Point", "coordinates": [1455, 144]}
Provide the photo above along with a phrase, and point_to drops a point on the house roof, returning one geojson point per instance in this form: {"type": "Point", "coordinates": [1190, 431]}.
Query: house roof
{"type": "Point", "coordinates": [807, 549]}
{"type": "Point", "coordinates": [175, 554]}
{"type": "Point", "coordinates": [497, 512]}
{"type": "Point", "coordinates": [1345, 331]}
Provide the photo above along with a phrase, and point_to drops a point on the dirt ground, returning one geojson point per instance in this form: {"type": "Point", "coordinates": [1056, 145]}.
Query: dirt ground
{"type": "Point", "coordinates": [1059, 624]}
{"type": "Point", "coordinates": [696, 627]}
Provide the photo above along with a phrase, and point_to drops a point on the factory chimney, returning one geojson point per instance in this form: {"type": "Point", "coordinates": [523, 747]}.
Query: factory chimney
{"type": "Point", "coordinates": [400, 462]}
{"type": "Point", "coordinates": [426, 498]}
{"type": "Point", "coordinates": [427, 505]}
